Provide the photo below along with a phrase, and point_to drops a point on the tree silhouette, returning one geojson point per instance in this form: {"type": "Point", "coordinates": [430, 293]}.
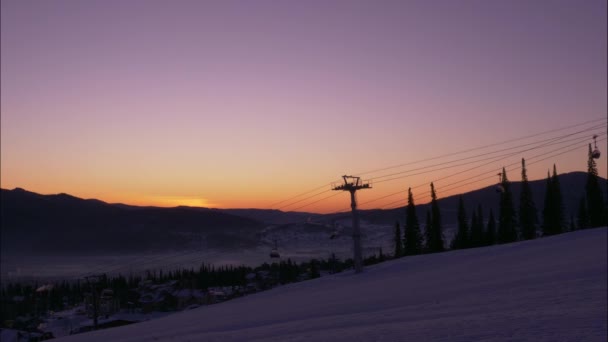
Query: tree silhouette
{"type": "Point", "coordinates": [461, 240]}
{"type": "Point", "coordinates": [595, 200]}
{"type": "Point", "coordinates": [435, 236]}
{"type": "Point", "coordinates": [398, 242]}
{"type": "Point", "coordinates": [582, 217]}
{"type": "Point", "coordinates": [491, 231]}
{"type": "Point", "coordinates": [553, 213]}
{"type": "Point", "coordinates": [527, 209]}
{"type": "Point", "coordinates": [476, 238]}
{"type": "Point", "coordinates": [427, 232]}
{"type": "Point", "coordinates": [412, 238]}
{"type": "Point", "coordinates": [506, 221]}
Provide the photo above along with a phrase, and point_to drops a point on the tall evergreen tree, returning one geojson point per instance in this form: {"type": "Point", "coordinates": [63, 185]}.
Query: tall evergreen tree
{"type": "Point", "coordinates": [582, 217]}
{"type": "Point", "coordinates": [477, 239]}
{"type": "Point", "coordinates": [491, 230]}
{"type": "Point", "coordinates": [506, 221]}
{"type": "Point", "coordinates": [560, 222]}
{"type": "Point", "coordinates": [553, 212]}
{"type": "Point", "coordinates": [461, 240]}
{"type": "Point", "coordinates": [436, 235]}
{"type": "Point", "coordinates": [428, 232]}
{"type": "Point", "coordinates": [549, 209]}
{"type": "Point", "coordinates": [412, 238]}
{"type": "Point", "coordinates": [595, 200]}
{"type": "Point", "coordinates": [398, 242]}
{"type": "Point", "coordinates": [527, 209]}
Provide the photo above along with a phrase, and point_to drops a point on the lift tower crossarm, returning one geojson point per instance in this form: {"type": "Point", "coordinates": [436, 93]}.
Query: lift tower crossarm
{"type": "Point", "coordinates": [352, 184]}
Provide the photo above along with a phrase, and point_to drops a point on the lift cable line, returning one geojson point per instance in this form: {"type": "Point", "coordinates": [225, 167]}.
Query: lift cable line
{"type": "Point", "coordinates": [485, 146]}
{"type": "Point", "coordinates": [352, 184]}
{"type": "Point", "coordinates": [300, 195]}
{"type": "Point", "coordinates": [461, 152]}
{"type": "Point", "coordinates": [510, 167]}
{"type": "Point", "coordinates": [451, 154]}
{"type": "Point", "coordinates": [496, 158]}
{"type": "Point", "coordinates": [546, 142]}
{"type": "Point", "coordinates": [304, 199]}
{"type": "Point", "coordinates": [486, 161]}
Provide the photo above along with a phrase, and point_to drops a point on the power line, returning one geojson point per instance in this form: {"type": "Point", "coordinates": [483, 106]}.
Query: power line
{"type": "Point", "coordinates": [485, 146]}
{"type": "Point", "coordinates": [452, 154]}
{"type": "Point", "coordinates": [510, 167]}
{"type": "Point", "coordinates": [489, 153]}
{"type": "Point", "coordinates": [485, 161]}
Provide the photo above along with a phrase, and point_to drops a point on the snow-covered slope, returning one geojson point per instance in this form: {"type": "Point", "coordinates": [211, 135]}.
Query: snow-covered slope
{"type": "Point", "coordinates": [551, 289]}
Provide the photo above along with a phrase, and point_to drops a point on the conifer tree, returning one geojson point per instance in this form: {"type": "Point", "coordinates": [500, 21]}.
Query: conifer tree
{"type": "Point", "coordinates": [477, 238]}
{"type": "Point", "coordinates": [398, 242]}
{"type": "Point", "coordinates": [412, 238]}
{"type": "Point", "coordinates": [427, 232]}
{"type": "Point", "coordinates": [462, 235]}
{"type": "Point", "coordinates": [506, 221]}
{"type": "Point", "coordinates": [527, 209]}
{"type": "Point", "coordinates": [553, 212]}
{"type": "Point", "coordinates": [548, 210]}
{"type": "Point", "coordinates": [582, 217]}
{"type": "Point", "coordinates": [595, 200]}
{"type": "Point", "coordinates": [491, 231]}
{"type": "Point", "coordinates": [559, 203]}
{"type": "Point", "coordinates": [436, 235]}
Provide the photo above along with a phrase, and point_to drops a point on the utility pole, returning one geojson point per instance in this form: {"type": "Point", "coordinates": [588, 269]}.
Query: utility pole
{"type": "Point", "coordinates": [93, 280]}
{"type": "Point", "coordinates": [352, 184]}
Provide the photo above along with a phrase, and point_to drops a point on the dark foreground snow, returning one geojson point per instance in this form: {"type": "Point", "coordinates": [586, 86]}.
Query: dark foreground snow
{"type": "Point", "coordinates": [551, 289]}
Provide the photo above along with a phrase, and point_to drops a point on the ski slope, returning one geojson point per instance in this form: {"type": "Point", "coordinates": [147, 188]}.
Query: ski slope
{"type": "Point", "coordinates": [550, 289]}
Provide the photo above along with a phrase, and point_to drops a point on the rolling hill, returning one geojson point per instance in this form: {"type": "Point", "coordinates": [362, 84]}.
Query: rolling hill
{"type": "Point", "coordinates": [549, 289]}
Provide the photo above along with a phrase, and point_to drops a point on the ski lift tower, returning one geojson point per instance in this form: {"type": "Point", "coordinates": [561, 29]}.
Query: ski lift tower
{"type": "Point", "coordinates": [352, 184]}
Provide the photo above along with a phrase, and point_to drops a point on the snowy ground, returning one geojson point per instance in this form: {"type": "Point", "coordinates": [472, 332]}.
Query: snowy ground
{"type": "Point", "coordinates": [551, 289]}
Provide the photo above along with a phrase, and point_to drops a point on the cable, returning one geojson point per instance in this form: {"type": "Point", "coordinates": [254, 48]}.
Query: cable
{"type": "Point", "coordinates": [452, 154]}
{"type": "Point", "coordinates": [488, 153]}
{"type": "Point", "coordinates": [482, 147]}
{"type": "Point", "coordinates": [485, 161]}
{"type": "Point", "coordinates": [510, 167]}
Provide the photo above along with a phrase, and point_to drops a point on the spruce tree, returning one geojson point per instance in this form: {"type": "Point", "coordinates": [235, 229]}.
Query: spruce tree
{"type": "Point", "coordinates": [491, 231]}
{"type": "Point", "coordinates": [461, 240]}
{"type": "Point", "coordinates": [527, 209]}
{"type": "Point", "coordinates": [582, 217]}
{"type": "Point", "coordinates": [595, 200]}
{"type": "Point", "coordinates": [553, 212]}
{"type": "Point", "coordinates": [412, 238]}
{"type": "Point", "coordinates": [548, 210]}
{"type": "Point", "coordinates": [559, 203]}
{"type": "Point", "coordinates": [506, 221]}
{"type": "Point", "coordinates": [477, 239]}
{"type": "Point", "coordinates": [398, 242]}
{"type": "Point", "coordinates": [427, 232]}
{"type": "Point", "coordinates": [436, 243]}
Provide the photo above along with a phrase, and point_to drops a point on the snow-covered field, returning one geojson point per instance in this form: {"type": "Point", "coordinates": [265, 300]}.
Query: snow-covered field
{"type": "Point", "coordinates": [551, 289]}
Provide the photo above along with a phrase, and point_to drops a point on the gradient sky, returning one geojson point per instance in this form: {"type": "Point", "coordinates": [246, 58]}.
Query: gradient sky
{"type": "Point", "coordinates": [248, 103]}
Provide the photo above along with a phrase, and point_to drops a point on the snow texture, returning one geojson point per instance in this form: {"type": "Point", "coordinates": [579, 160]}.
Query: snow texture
{"type": "Point", "coordinates": [550, 289]}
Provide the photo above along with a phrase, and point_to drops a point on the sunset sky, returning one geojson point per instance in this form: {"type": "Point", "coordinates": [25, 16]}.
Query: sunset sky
{"type": "Point", "coordinates": [250, 103]}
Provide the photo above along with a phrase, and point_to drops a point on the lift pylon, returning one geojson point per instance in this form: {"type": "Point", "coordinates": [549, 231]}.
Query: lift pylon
{"type": "Point", "coordinates": [352, 184]}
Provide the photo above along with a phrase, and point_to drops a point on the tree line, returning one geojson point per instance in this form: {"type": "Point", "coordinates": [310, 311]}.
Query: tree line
{"type": "Point", "coordinates": [512, 224]}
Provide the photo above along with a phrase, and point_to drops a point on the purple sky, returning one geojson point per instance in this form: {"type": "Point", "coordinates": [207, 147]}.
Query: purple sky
{"type": "Point", "coordinates": [246, 103]}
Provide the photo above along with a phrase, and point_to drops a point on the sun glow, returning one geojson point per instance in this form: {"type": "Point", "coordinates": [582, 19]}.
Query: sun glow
{"type": "Point", "coordinates": [174, 201]}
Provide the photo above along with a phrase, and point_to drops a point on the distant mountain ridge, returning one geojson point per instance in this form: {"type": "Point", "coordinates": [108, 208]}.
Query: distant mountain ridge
{"type": "Point", "coordinates": [63, 224]}
{"type": "Point", "coordinates": [70, 225]}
